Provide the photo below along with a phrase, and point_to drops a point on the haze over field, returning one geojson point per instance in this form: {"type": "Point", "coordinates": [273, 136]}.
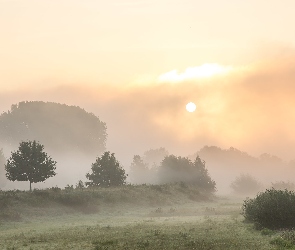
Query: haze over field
{"type": "Point", "coordinates": [136, 64]}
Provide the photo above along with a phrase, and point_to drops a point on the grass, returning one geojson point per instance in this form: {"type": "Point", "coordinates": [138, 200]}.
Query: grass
{"type": "Point", "coordinates": [174, 219]}
{"type": "Point", "coordinates": [183, 227]}
{"type": "Point", "coordinates": [14, 205]}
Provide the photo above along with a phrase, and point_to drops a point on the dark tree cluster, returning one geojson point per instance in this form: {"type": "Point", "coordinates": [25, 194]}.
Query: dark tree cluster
{"type": "Point", "coordinates": [170, 168]}
{"type": "Point", "coordinates": [182, 169]}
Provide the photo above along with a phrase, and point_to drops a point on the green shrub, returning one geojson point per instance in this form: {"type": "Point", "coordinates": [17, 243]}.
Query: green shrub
{"type": "Point", "coordinates": [273, 209]}
{"type": "Point", "coordinates": [282, 243]}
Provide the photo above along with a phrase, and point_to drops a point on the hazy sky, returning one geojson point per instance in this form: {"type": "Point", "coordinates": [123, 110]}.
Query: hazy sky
{"type": "Point", "coordinates": [136, 64]}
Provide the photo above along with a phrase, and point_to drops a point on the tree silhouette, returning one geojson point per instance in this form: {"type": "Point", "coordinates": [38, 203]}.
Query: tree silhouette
{"type": "Point", "coordinates": [30, 163]}
{"type": "Point", "coordinates": [58, 126]}
{"type": "Point", "coordinates": [106, 172]}
{"type": "Point", "coordinates": [153, 157]}
{"type": "Point", "coordinates": [139, 171]}
{"type": "Point", "coordinates": [246, 184]}
{"type": "Point", "coordinates": [182, 169]}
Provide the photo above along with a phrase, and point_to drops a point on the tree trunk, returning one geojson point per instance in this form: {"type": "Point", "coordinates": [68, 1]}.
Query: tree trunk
{"type": "Point", "coordinates": [30, 186]}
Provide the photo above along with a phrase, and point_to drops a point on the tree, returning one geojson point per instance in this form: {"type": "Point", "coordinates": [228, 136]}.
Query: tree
{"type": "Point", "coordinates": [202, 176]}
{"type": "Point", "coordinates": [246, 184]}
{"type": "Point", "coordinates": [30, 163]}
{"type": "Point", "coordinates": [153, 157]}
{"type": "Point", "coordinates": [106, 172]}
{"type": "Point", "coordinates": [182, 169]}
{"type": "Point", "coordinates": [139, 171]}
{"type": "Point", "coordinates": [59, 127]}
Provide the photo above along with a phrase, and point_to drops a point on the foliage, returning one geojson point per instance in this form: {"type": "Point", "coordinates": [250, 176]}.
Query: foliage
{"type": "Point", "coordinates": [273, 209]}
{"type": "Point", "coordinates": [80, 185]}
{"type": "Point", "coordinates": [226, 158]}
{"type": "Point", "coordinates": [245, 184]}
{"type": "Point", "coordinates": [282, 185]}
{"type": "Point", "coordinates": [139, 171]}
{"type": "Point", "coordinates": [181, 169]}
{"type": "Point", "coordinates": [288, 236]}
{"type": "Point", "coordinates": [58, 126]}
{"type": "Point", "coordinates": [153, 157]}
{"type": "Point", "coordinates": [106, 172]}
{"type": "Point", "coordinates": [30, 163]}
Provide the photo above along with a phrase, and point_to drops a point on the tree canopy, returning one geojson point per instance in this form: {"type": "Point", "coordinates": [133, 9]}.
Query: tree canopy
{"type": "Point", "coordinates": [246, 184]}
{"type": "Point", "coordinates": [144, 169]}
{"type": "Point", "coordinates": [153, 157]}
{"type": "Point", "coordinates": [182, 169]}
{"type": "Point", "coordinates": [139, 171]}
{"type": "Point", "coordinates": [30, 163]}
{"type": "Point", "coordinates": [106, 172]}
{"type": "Point", "coordinates": [58, 126]}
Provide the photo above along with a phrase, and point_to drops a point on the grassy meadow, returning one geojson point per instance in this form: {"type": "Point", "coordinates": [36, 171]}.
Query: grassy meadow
{"type": "Point", "coordinates": [131, 217]}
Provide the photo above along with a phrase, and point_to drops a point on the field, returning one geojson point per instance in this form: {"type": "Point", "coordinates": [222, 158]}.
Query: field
{"type": "Point", "coordinates": [148, 221]}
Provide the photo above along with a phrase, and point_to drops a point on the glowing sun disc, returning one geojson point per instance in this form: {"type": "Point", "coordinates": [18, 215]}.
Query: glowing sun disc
{"type": "Point", "coordinates": [191, 107]}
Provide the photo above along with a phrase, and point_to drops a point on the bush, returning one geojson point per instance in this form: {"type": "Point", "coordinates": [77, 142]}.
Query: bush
{"type": "Point", "coordinates": [245, 184]}
{"type": "Point", "coordinates": [272, 209]}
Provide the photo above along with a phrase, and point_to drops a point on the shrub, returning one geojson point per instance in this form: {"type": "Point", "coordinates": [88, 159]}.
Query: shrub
{"type": "Point", "coordinates": [245, 184]}
{"type": "Point", "coordinates": [272, 209]}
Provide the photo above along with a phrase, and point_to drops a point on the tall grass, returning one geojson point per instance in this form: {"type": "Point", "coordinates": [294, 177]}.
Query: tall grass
{"type": "Point", "coordinates": [16, 204]}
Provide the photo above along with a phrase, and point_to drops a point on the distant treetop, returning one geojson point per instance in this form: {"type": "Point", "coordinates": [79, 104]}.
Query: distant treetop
{"type": "Point", "coordinates": [58, 126]}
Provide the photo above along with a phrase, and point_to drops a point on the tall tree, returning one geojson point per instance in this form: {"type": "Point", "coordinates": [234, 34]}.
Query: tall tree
{"type": "Point", "coordinates": [202, 177]}
{"type": "Point", "coordinates": [106, 172]}
{"type": "Point", "coordinates": [139, 171]}
{"type": "Point", "coordinates": [30, 163]}
{"type": "Point", "coordinates": [58, 126]}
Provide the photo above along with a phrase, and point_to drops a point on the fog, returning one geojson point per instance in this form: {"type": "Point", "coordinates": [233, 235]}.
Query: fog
{"type": "Point", "coordinates": [249, 109]}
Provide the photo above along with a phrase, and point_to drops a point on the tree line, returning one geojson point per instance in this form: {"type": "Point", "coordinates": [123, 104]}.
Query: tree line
{"type": "Point", "coordinates": [31, 163]}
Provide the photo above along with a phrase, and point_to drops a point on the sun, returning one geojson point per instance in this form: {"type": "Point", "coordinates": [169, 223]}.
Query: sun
{"type": "Point", "coordinates": [191, 107]}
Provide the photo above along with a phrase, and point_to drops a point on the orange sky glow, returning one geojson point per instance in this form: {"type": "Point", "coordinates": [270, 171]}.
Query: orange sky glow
{"type": "Point", "coordinates": [136, 64]}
